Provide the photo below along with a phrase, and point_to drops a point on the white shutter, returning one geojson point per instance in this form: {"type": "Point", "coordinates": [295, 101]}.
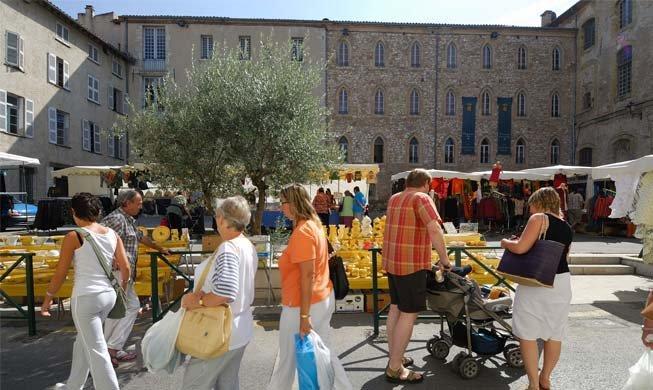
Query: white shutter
{"type": "Point", "coordinates": [66, 129]}
{"type": "Point", "coordinates": [66, 68]}
{"type": "Point", "coordinates": [110, 142]}
{"type": "Point", "coordinates": [52, 125]}
{"type": "Point", "coordinates": [3, 110]}
{"type": "Point", "coordinates": [125, 104]}
{"type": "Point", "coordinates": [111, 105]}
{"type": "Point", "coordinates": [97, 147]}
{"type": "Point", "coordinates": [86, 135]}
{"type": "Point", "coordinates": [29, 118]}
{"type": "Point", "coordinates": [52, 68]}
{"type": "Point", "coordinates": [96, 93]}
{"type": "Point", "coordinates": [21, 54]}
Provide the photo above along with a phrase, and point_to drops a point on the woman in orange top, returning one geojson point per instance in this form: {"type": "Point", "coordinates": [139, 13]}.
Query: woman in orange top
{"type": "Point", "coordinates": [306, 291]}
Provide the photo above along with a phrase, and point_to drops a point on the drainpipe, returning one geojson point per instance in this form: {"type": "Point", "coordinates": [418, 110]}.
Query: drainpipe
{"type": "Point", "coordinates": [127, 87]}
{"type": "Point", "coordinates": [575, 92]}
{"type": "Point", "coordinates": [435, 111]}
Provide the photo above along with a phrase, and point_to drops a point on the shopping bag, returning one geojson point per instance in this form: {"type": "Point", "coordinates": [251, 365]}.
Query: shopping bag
{"type": "Point", "coordinates": [641, 374]}
{"type": "Point", "coordinates": [325, 372]}
{"type": "Point", "coordinates": [306, 364]}
{"type": "Point", "coordinates": [158, 345]}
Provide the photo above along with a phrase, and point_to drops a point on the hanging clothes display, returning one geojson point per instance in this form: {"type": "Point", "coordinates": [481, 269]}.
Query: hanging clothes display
{"type": "Point", "coordinates": [626, 185]}
{"type": "Point", "coordinates": [53, 213]}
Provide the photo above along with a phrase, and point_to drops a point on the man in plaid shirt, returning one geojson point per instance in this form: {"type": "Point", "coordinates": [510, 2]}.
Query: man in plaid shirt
{"type": "Point", "coordinates": [412, 229]}
{"type": "Point", "coordinates": [122, 221]}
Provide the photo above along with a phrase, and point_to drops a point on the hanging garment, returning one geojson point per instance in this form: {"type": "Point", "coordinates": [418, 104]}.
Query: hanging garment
{"type": "Point", "coordinates": [456, 186]}
{"type": "Point", "coordinates": [626, 185]}
{"type": "Point", "coordinates": [643, 212]}
{"type": "Point", "coordinates": [558, 179]}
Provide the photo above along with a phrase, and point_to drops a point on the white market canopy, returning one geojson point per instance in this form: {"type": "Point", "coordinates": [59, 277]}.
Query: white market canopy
{"type": "Point", "coordinates": [638, 166]}
{"type": "Point", "coordinates": [95, 170]}
{"type": "Point", "coordinates": [514, 175]}
{"type": "Point", "coordinates": [12, 160]}
{"type": "Point", "coordinates": [567, 170]}
{"type": "Point", "coordinates": [443, 174]}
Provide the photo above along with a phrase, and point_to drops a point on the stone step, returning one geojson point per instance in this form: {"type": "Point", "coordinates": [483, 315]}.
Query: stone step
{"type": "Point", "coordinates": [589, 259]}
{"type": "Point", "coordinates": [601, 269]}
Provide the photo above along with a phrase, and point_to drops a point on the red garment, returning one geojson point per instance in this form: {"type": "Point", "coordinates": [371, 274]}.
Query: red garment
{"type": "Point", "coordinates": [468, 199]}
{"type": "Point", "coordinates": [440, 187]}
{"type": "Point", "coordinates": [494, 177]}
{"type": "Point", "coordinates": [562, 193]}
{"type": "Point", "coordinates": [457, 186]}
{"type": "Point", "coordinates": [602, 207]}
{"type": "Point", "coordinates": [558, 179]}
{"type": "Point", "coordinates": [488, 209]}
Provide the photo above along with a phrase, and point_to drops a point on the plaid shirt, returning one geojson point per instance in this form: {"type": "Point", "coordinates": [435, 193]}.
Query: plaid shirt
{"type": "Point", "coordinates": [406, 242]}
{"type": "Point", "coordinates": [125, 226]}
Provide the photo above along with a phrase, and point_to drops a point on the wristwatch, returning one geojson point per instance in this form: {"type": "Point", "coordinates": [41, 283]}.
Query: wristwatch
{"type": "Point", "coordinates": [304, 316]}
{"type": "Point", "coordinates": [201, 302]}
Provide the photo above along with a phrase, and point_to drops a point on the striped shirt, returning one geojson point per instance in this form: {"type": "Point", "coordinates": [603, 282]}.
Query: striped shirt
{"type": "Point", "coordinates": [406, 242]}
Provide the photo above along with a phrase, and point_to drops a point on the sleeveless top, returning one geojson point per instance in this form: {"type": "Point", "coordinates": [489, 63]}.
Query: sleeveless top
{"type": "Point", "coordinates": [561, 232]}
{"type": "Point", "coordinates": [90, 277]}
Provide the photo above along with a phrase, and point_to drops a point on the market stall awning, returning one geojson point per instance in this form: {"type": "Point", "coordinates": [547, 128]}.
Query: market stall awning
{"type": "Point", "coordinates": [568, 170]}
{"type": "Point", "coordinates": [13, 160]}
{"type": "Point", "coordinates": [514, 175]}
{"type": "Point", "coordinates": [443, 174]}
{"type": "Point", "coordinates": [638, 166]}
{"type": "Point", "coordinates": [96, 170]}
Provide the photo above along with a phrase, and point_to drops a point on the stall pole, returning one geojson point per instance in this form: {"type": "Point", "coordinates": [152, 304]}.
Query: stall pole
{"type": "Point", "coordinates": [375, 292]}
{"type": "Point", "coordinates": [155, 286]}
{"type": "Point", "coordinates": [29, 279]}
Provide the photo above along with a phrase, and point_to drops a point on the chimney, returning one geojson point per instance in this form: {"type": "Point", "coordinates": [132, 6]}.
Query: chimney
{"type": "Point", "coordinates": [548, 17]}
{"type": "Point", "coordinates": [91, 12]}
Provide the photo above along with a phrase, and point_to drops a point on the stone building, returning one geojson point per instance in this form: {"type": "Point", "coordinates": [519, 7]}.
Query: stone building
{"type": "Point", "coordinates": [450, 97]}
{"type": "Point", "coordinates": [613, 89]}
{"type": "Point", "coordinates": [61, 89]}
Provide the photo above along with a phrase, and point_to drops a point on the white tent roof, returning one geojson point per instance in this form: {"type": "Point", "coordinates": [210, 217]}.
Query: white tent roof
{"type": "Point", "coordinates": [443, 174]}
{"type": "Point", "coordinates": [515, 175]}
{"type": "Point", "coordinates": [12, 160]}
{"type": "Point", "coordinates": [95, 170]}
{"type": "Point", "coordinates": [568, 170]}
{"type": "Point", "coordinates": [638, 166]}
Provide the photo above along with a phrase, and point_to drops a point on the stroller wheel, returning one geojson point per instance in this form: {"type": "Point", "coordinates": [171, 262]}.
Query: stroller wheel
{"type": "Point", "coordinates": [430, 343]}
{"type": "Point", "coordinates": [440, 349]}
{"type": "Point", "coordinates": [469, 368]}
{"type": "Point", "coordinates": [457, 359]}
{"type": "Point", "coordinates": [513, 356]}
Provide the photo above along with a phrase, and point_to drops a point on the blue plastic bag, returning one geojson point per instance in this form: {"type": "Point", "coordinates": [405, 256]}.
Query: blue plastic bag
{"type": "Point", "coordinates": [306, 366]}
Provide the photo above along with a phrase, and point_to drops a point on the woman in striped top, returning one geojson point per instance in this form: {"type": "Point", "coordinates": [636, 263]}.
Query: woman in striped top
{"type": "Point", "coordinates": [230, 281]}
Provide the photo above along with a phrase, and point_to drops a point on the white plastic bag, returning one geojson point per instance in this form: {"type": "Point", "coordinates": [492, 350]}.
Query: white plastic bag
{"type": "Point", "coordinates": [641, 374]}
{"type": "Point", "coordinates": [158, 345]}
{"type": "Point", "coordinates": [325, 374]}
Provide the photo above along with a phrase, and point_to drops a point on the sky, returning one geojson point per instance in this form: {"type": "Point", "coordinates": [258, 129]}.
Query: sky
{"type": "Point", "coordinates": [506, 12]}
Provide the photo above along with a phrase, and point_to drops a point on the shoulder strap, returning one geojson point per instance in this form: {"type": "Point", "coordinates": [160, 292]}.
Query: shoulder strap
{"type": "Point", "coordinates": [544, 227]}
{"type": "Point", "coordinates": [98, 254]}
{"type": "Point", "coordinates": [205, 272]}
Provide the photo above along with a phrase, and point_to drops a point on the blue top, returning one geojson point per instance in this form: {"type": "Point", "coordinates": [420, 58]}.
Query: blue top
{"type": "Point", "coordinates": [359, 199]}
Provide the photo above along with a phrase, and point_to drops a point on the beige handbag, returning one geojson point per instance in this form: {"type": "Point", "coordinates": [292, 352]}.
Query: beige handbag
{"type": "Point", "coordinates": [204, 333]}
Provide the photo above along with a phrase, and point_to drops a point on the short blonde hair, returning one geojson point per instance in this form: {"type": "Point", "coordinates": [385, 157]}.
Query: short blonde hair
{"type": "Point", "coordinates": [301, 206]}
{"type": "Point", "coordinates": [417, 178]}
{"type": "Point", "coordinates": [235, 210]}
{"type": "Point", "coordinates": [545, 199]}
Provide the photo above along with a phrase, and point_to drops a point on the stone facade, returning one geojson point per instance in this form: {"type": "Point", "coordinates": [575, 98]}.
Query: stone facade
{"type": "Point", "coordinates": [32, 85]}
{"type": "Point", "coordinates": [612, 126]}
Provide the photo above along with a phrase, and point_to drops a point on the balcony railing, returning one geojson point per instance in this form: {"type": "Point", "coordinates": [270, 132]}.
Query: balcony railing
{"type": "Point", "coordinates": [154, 65]}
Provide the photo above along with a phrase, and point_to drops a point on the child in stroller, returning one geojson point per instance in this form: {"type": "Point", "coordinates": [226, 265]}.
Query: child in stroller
{"type": "Point", "coordinates": [476, 324]}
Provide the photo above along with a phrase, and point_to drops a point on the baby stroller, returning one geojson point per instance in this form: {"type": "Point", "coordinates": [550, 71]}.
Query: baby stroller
{"type": "Point", "coordinates": [475, 324]}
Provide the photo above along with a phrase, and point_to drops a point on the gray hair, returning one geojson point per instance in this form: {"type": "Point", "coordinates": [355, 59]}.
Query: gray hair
{"type": "Point", "coordinates": [235, 210]}
{"type": "Point", "coordinates": [126, 196]}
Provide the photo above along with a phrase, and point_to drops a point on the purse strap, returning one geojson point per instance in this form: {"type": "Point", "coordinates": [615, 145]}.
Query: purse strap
{"type": "Point", "coordinates": [100, 257]}
{"type": "Point", "coordinates": [205, 271]}
{"type": "Point", "coordinates": [544, 227]}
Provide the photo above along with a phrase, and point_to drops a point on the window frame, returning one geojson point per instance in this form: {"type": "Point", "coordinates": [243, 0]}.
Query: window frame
{"type": "Point", "coordinates": [65, 34]}
{"type": "Point", "coordinates": [157, 42]}
{"type": "Point", "coordinates": [297, 49]}
{"type": "Point", "coordinates": [19, 50]}
{"type": "Point", "coordinates": [556, 59]}
{"type": "Point", "coordinates": [582, 156]}
{"type": "Point", "coordinates": [484, 151]}
{"type": "Point", "coordinates": [206, 46]}
{"type": "Point", "coordinates": [342, 55]}
{"type": "Point", "coordinates": [115, 63]}
{"type": "Point", "coordinates": [413, 151]}
{"type": "Point", "coordinates": [522, 58]}
{"type": "Point", "coordinates": [450, 103]}
{"type": "Point", "coordinates": [624, 71]}
{"type": "Point", "coordinates": [625, 13]}
{"type": "Point", "coordinates": [92, 89]}
{"type": "Point", "coordinates": [589, 40]}
{"type": "Point", "coordinates": [379, 55]}
{"type": "Point", "coordinates": [58, 72]}
{"type": "Point", "coordinates": [378, 159]}
{"type": "Point", "coordinates": [414, 102]}
{"type": "Point", "coordinates": [449, 150]}
{"type": "Point", "coordinates": [521, 105]}
{"type": "Point", "coordinates": [486, 104]}
{"type": "Point", "coordinates": [486, 56]}
{"type": "Point", "coordinates": [415, 55]}
{"type": "Point", "coordinates": [93, 49]}
{"type": "Point", "coordinates": [555, 105]}
{"type": "Point", "coordinates": [343, 101]}
{"type": "Point", "coordinates": [520, 152]}
{"type": "Point", "coordinates": [555, 152]}
{"type": "Point", "coordinates": [245, 47]}
{"type": "Point", "coordinates": [65, 129]}
{"type": "Point", "coordinates": [452, 53]}
{"type": "Point", "coordinates": [344, 147]}
{"type": "Point", "coordinates": [379, 102]}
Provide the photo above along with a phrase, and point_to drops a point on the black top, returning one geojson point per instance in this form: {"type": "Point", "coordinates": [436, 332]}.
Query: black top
{"type": "Point", "coordinates": [561, 232]}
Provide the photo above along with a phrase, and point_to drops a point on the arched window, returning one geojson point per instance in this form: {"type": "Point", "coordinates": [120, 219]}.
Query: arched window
{"type": "Point", "coordinates": [521, 104]}
{"type": "Point", "coordinates": [588, 33]}
{"type": "Point", "coordinates": [414, 102]}
{"type": "Point", "coordinates": [448, 151]}
{"type": "Point", "coordinates": [485, 151]}
{"type": "Point", "coordinates": [520, 152]}
{"type": "Point", "coordinates": [622, 150]}
{"type": "Point", "coordinates": [485, 101]}
{"type": "Point", "coordinates": [343, 54]}
{"type": "Point", "coordinates": [451, 56]}
{"type": "Point", "coordinates": [624, 70]}
{"type": "Point", "coordinates": [450, 104]}
{"type": "Point", "coordinates": [487, 57]}
{"type": "Point", "coordinates": [379, 55]}
{"type": "Point", "coordinates": [555, 152]}
{"type": "Point", "coordinates": [343, 144]}
{"type": "Point", "coordinates": [585, 157]}
{"type": "Point", "coordinates": [555, 59]}
{"type": "Point", "coordinates": [378, 150]}
{"type": "Point", "coordinates": [413, 148]}
{"type": "Point", "coordinates": [521, 58]}
{"type": "Point", "coordinates": [625, 13]}
{"type": "Point", "coordinates": [343, 104]}
{"type": "Point", "coordinates": [415, 55]}
{"type": "Point", "coordinates": [378, 102]}
{"type": "Point", "coordinates": [555, 105]}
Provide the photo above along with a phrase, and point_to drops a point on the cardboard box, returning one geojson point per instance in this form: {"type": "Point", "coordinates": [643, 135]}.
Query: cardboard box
{"type": "Point", "coordinates": [352, 303]}
{"type": "Point", "coordinates": [211, 242]}
{"type": "Point", "coordinates": [383, 299]}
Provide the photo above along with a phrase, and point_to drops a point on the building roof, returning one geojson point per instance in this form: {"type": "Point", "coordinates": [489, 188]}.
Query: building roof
{"type": "Point", "coordinates": [325, 23]}
{"type": "Point", "coordinates": [569, 13]}
{"type": "Point", "coordinates": [60, 13]}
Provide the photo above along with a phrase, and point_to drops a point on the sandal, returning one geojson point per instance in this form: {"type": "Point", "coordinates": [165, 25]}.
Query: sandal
{"type": "Point", "coordinates": [408, 361]}
{"type": "Point", "coordinates": [122, 356]}
{"type": "Point", "coordinates": [115, 362]}
{"type": "Point", "coordinates": [394, 376]}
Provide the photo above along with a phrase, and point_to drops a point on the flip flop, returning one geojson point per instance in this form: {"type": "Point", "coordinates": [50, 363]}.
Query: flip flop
{"type": "Point", "coordinates": [126, 356]}
{"type": "Point", "coordinates": [114, 362]}
{"type": "Point", "coordinates": [394, 376]}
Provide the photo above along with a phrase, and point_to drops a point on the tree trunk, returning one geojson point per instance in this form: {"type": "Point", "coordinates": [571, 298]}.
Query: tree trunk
{"type": "Point", "coordinates": [260, 206]}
